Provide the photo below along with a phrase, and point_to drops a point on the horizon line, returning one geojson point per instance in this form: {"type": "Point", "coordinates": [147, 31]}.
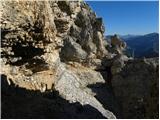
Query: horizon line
{"type": "Point", "coordinates": [122, 0]}
{"type": "Point", "coordinates": [131, 34]}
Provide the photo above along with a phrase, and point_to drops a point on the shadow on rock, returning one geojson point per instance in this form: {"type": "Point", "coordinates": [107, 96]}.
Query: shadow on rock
{"type": "Point", "coordinates": [21, 103]}
{"type": "Point", "coordinates": [105, 96]}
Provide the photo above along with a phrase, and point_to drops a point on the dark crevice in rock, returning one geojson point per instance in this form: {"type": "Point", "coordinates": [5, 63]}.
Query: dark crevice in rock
{"type": "Point", "coordinates": [26, 52]}
{"type": "Point", "coordinates": [64, 7]}
{"type": "Point", "coordinates": [23, 54]}
{"type": "Point", "coordinates": [80, 20]}
{"type": "Point", "coordinates": [3, 33]}
{"type": "Point", "coordinates": [107, 75]}
{"type": "Point", "coordinates": [38, 27]}
{"type": "Point", "coordinates": [61, 25]}
{"type": "Point", "coordinates": [37, 65]}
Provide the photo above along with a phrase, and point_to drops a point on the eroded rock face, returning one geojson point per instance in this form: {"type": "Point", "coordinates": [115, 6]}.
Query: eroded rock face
{"type": "Point", "coordinates": [39, 38]}
{"type": "Point", "coordinates": [45, 26]}
{"type": "Point", "coordinates": [39, 41]}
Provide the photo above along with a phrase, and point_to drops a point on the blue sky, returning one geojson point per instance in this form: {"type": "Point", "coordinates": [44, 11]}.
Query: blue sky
{"type": "Point", "coordinates": [127, 17]}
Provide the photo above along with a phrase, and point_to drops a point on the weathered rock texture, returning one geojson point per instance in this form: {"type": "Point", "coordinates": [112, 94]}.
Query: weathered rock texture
{"type": "Point", "coordinates": [136, 88]}
{"type": "Point", "coordinates": [37, 36]}
{"type": "Point", "coordinates": [55, 64]}
{"type": "Point", "coordinates": [117, 44]}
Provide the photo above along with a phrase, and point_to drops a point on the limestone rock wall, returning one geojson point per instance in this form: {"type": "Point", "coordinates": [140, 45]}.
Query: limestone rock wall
{"type": "Point", "coordinates": [44, 43]}
{"type": "Point", "coordinates": [39, 35]}
{"type": "Point", "coordinates": [40, 27]}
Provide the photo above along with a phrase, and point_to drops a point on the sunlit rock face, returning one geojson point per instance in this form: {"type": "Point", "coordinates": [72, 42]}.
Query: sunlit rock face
{"type": "Point", "coordinates": [44, 43]}
{"type": "Point", "coordinates": [56, 64]}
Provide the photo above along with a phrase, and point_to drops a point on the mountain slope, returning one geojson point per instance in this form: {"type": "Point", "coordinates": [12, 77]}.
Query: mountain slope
{"type": "Point", "coordinates": [141, 45]}
{"type": "Point", "coordinates": [144, 46]}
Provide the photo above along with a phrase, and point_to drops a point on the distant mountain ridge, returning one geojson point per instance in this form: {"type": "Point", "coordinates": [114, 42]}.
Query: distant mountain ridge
{"type": "Point", "coordinates": [129, 36]}
{"type": "Point", "coordinates": [142, 45]}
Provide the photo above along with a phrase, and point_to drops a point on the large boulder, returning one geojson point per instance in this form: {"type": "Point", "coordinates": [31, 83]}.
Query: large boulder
{"type": "Point", "coordinates": [136, 88]}
{"type": "Point", "coordinates": [72, 51]}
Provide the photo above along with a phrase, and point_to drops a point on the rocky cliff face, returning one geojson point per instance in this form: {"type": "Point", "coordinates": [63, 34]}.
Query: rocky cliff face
{"type": "Point", "coordinates": [46, 46]}
{"type": "Point", "coordinates": [55, 63]}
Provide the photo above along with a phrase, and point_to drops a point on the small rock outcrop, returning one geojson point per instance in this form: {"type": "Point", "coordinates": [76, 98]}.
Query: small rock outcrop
{"type": "Point", "coordinates": [117, 44]}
